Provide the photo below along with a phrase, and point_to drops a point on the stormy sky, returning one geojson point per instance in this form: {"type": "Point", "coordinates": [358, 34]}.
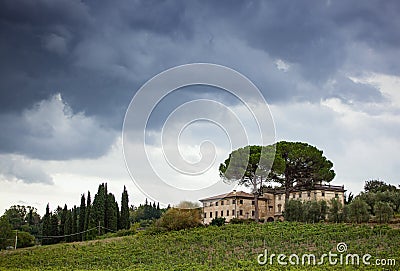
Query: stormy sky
{"type": "Point", "coordinates": [329, 71]}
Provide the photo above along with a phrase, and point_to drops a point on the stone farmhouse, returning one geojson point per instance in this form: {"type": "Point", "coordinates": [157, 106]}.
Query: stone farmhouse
{"type": "Point", "coordinates": [239, 204]}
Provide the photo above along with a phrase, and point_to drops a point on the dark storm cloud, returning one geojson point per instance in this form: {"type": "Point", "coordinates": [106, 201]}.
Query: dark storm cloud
{"type": "Point", "coordinates": [51, 131]}
{"type": "Point", "coordinates": [98, 53]}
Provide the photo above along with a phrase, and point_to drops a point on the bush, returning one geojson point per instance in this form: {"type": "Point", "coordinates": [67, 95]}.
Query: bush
{"type": "Point", "coordinates": [336, 211]}
{"type": "Point", "coordinates": [218, 221]}
{"type": "Point", "coordinates": [25, 239]}
{"type": "Point", "coordinates": [236, 221]}
{"type": "Point", "coordinates": [383, 212]}
{"type": "Point", "coordinates": [146, 223]}
{"type": "Point", "coordinates": [241, 221]}
{"type": "Point", "coordinates": [6, 234]}
{"type": "Point", "coordinates": [178, 219]}
{"type": "Point", "coordinates": [358, 211]}
{"type": "Point", "coordinates": [294, 211]}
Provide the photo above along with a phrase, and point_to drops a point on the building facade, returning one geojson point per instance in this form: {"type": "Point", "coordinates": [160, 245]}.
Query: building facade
{"type": "Point", "coordinates": [239, 204]}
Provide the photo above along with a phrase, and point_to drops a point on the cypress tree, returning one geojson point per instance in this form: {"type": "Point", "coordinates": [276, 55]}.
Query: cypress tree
{"type": "Point", "coordinates": [74, 224]}
{"type": "Point", "coordinates": [68, 226]}
{"type": "Point", "coordinates": [30, 217]}
{"type": "Point", "coordinates": [105, 206]}
{"type": "Point", "coordinates": [82, 216]}
{"type": "Point", "coordinates": [46, 228]}
{"type": "Point", "coordinates": [111, 215]}
{"type": "Point", "coordinates": [124, 219]}
{"type": "Point", "coordinates": [118, 216]}
{"type": "Point", "coordinates": [98, 209]}
{"type": "Point", "coordinates": [89, 221]}
{"type": "Point", "coordinates": [62, 219]}
{"type": "Point", "coordinates": [54, 228]}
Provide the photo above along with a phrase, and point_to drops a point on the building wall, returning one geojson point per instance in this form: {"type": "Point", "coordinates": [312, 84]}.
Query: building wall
{"type": "Point", "coordinates": [228, 208]}
{"type": "Point", "coordinates": [244, 208]}
{"type": "Point", "coordinates": [270, 206]}
{"type": "Point", "coordinates": [306, 196]}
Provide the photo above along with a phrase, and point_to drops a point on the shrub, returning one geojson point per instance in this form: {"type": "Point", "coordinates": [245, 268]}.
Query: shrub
{"type": "Point", "coordinates": [335, 211]}
{"type": "Point", "coordinates": [25, 239]}
{"type": "Point", "coordinates": [358, 211]}
{"type": "Point", "coordinates": [236, 221]}
{"type": "Point", "coordinates": [178, 219]}
{"type": "Point", "coordinates": [218, 221]}
{"type": "Point", "coordinates": [241, 221]}
{"type": "Point", "coordinates": [146, 223]}
{"type": "Point", "coordinates": [383, 212]}
{"type": "Point", "coordinates": [6, 235]}
{"type": "Point", "coordinates": [293, 211]}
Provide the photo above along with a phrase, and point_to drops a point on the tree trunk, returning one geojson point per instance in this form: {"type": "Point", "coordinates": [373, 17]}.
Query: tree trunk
{"type": "Point", "coordinates": [255, 192]}
{"type": "Point", "coordinates": [288, 184]}
{"type": "Point", "coordinates": [287, 191]}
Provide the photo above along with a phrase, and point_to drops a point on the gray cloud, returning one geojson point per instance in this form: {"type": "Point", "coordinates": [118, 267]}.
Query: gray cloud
{"type": "Point", "coordinates": [51, 131]}
{"type": "Point", "coordinates": [98, 53]}
{"type": "Point", "coordinates": [21, 169]}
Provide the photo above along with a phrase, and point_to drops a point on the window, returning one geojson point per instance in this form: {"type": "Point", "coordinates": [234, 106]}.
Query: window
{"type": "Point", "coordinates": [270, 208]}
{"type": "Point", "coordinates": [323, 193]}
{"type": "Point", "coordinates": [216, 213]}
{"type": "Point", "coordinates": [216, 203]}
{"type": "Point", "coordinates": [227, 212]}
{"type": "Point", "coordinates": [210, 214]}
{"type": "Point", "coordinates": [294, 195]}
{"type": "Point", "coordinates": [233, 212]}
{"type": "Point", "coordinates": [252, 202]}
{"type": "Point", "coordinates": [233, 201]}
{"type": "Point", "coordinates": [279, 197]}
{"type": "Point", "coordinates": [222, 202]}
{"type": "Point", "coordinates": [222, 213]}
{"type": "Point", "coordinates": [279, 208]}
{"type": "Point", "coordinates": [253, 213]}
{"type": "Point", "coordinates": [241, 201]}
{"type": "Point", "coordinates": [308, 194]}
{"type": "Point", "coordinates": [240, 212]}
{"type": "Point", "coordinates": [205, 215]}
{"type": "Point", "coordinates": [336, 195]}
{"type": "Point", "coordinates": [300, 195]}
{"type": "Point", "coordinates": [211, 204]}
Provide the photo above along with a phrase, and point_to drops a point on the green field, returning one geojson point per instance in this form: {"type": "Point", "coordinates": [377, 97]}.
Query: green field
{"type": "Point", "coordinates": [230, 247]}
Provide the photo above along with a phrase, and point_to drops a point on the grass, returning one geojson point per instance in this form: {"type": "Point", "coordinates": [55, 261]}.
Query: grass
{"type": "Point", "coordinates": [230, 247]}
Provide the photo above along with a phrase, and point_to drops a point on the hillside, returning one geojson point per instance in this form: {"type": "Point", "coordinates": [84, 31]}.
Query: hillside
{"type": "Point", "coordinates": [230, 247]}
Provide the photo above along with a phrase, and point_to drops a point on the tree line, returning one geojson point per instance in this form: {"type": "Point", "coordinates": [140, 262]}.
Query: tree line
{"type": "Point", "coordinates": [85, 222]}
{"type": "Point", "coordinates": [377, 203]}
{"type": "Point", "coordinates": [88, 220]}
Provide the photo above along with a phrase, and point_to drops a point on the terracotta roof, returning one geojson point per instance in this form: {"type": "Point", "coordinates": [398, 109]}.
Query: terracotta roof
{"type": "Point", "coordinates": [324, 187]}
{"type": "Point", "coordinates": [232, 194]}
